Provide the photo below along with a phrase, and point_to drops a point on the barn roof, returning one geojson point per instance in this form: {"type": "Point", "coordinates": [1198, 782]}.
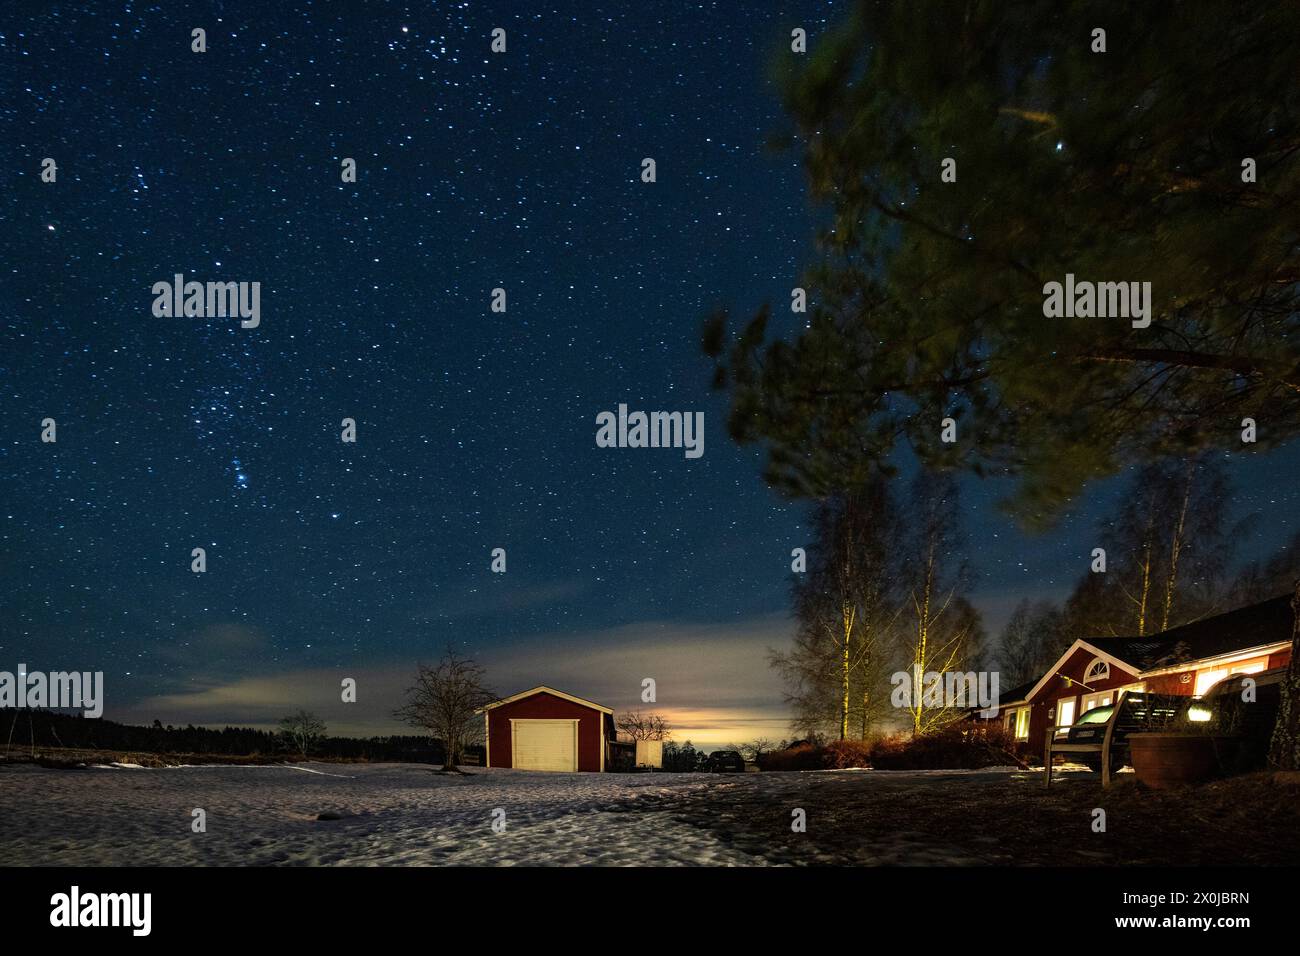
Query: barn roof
{"type": "Point", "coordinates": [543, 689]}
{"type": "Point", "coordinates": [1258, 625]}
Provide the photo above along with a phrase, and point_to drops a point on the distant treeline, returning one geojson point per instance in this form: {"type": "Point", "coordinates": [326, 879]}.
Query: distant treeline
{"type": "Point", "coordinates": [21, 729]}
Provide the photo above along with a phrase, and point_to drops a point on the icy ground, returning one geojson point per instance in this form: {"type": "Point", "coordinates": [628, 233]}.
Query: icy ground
{"type": "Point", "coordinates": [394, 814]}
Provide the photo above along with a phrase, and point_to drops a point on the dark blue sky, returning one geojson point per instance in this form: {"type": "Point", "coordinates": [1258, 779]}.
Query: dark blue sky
{"type": "Point", "coordinates": [475, 430]}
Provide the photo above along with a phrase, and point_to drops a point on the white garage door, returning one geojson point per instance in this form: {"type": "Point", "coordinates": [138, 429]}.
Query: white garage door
{"type": "Point", "coordinates": [545, 744]}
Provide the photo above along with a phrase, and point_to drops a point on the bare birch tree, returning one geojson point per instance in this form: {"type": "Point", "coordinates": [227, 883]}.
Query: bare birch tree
{"type": "Point", "coordinates": [1168, 546]}
{"type": "Point", "coordinates": [943, 632]}
{"type": "Point", "coordinates": [846, 610]}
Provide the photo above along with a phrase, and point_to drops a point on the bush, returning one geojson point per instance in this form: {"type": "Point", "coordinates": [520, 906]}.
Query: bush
{"type": "Point", "coordinates": [843, 754]}
{"type": "Point", "coordinates": [967, 745]}
{"type": "Point", "coordinates": [802, 756]}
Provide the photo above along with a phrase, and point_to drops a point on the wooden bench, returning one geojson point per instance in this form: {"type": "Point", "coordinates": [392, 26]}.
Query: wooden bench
{"type": "Point", "coordinates": [1135, 713]}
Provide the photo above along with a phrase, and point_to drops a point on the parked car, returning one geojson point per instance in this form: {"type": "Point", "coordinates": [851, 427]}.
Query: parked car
{"type": "Point", "coordinates": [725, 761]}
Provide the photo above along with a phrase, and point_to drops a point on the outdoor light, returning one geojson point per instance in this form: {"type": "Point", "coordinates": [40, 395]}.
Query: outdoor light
{"type": "Point", "coordinates": [1198, 714]}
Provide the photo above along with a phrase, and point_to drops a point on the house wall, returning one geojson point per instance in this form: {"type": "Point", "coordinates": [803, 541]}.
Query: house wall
{"type": "Point", "coordinates": [546, 706]}
{"type": "Point", "coordinates": [1183, 683]}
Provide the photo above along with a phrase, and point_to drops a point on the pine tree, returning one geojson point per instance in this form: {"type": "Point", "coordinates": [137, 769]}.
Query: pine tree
{"type": "Point", "coordinates": [927, 297]}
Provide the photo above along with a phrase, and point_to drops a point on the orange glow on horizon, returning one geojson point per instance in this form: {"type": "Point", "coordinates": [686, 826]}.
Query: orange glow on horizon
{"type": "Point", "coordinates": [714, 728]}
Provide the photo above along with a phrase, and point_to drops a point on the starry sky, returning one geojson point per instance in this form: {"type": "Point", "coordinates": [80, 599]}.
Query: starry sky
{"type": "Point", "coordinates": [475, 429]}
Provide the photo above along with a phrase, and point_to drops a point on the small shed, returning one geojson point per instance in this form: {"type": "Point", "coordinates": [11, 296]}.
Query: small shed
{"type": "Point", "coordinates": [650, 753]}
{"type": "Point", "coordinates": [547, 729]}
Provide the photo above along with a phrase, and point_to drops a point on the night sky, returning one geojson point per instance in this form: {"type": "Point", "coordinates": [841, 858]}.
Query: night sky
{"type": "Point", "coordinates": [475, 429]}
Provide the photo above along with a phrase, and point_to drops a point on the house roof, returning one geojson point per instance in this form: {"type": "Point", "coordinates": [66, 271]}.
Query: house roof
{"type": "Point", "coordinates": [543, 689]}
{"type": "Point", "coordinates": [1016, 694]}
{"type": "Point", "coordinates": [1258, 625]}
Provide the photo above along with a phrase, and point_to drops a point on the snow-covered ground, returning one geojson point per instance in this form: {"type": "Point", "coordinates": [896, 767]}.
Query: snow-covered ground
{"type": "Point", "coordinates": [395, 814]}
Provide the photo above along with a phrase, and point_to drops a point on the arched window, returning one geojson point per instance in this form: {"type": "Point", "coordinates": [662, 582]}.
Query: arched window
{"type": "Point", "coordinates": [1097, 670]}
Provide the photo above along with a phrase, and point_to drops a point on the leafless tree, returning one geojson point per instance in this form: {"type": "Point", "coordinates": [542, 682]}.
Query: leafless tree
{"type": "Point", "coordinates": [1031, 641]}
{"type": "Point", "coordinates": [445, 701]}
{"type": "Point", "coordinates": [303, 730]}
{"type": "Point", "coordinates": [640, 726]}
{"type": "Point", "coordinates": [846, 609]}
{"type": "Point", "coordinates": [754, 750]}
{"type": "Point", "coordinates": [943, 632]}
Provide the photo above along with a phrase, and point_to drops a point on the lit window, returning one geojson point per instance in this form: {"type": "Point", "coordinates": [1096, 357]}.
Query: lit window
{"type": "Point", "coordinates": [1096, 700]}
{"type": "Point", "coordinates": [1208, 678]}
{"type": "Point", "coordinates": [1064, 715]}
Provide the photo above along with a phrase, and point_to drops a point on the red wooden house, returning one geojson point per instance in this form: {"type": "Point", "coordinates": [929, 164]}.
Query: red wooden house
{"type": "Point", "coordinates": [1184, 660]}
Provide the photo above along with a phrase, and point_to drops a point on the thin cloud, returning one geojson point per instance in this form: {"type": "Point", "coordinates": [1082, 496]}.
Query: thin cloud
{"type": "Point", "coordinates": [711, 681]}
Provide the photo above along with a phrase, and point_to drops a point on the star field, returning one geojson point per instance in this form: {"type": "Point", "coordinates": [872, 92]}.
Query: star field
{"type": "Point", "coordinates": [474, 429]}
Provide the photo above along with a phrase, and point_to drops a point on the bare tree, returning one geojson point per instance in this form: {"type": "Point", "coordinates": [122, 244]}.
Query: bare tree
{"type": "Point", "coordinates": [1168, 544]}
{"type": "Point", "coordinates": [845, 609]}
{"type": "Point", "coordinates": [944, 633]}
{"type": "Point", "coordinates": [445, 701]}
{"type": "Point", "coordinates": [1031, 641]}
{"type": "Point", "coordinates": [640, 726]}
{"type": "Point", "coordinates": [754, 750]}
{"type": "Point", "coordinates": [303, 730]}
{"type": "Point", "coordinates": [1261, 580]}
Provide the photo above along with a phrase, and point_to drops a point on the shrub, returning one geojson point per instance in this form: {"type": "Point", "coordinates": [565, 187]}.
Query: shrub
{"type": "Point", "coordinates": [802, 756]}
{"type": "Point", "coordinates": [967, 745]}
{"type": "Point", "coordinates": [843, 754]}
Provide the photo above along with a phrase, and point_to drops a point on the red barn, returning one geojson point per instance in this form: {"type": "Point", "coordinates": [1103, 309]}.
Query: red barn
{"type": "Point", "coordinates": [547, 729]}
